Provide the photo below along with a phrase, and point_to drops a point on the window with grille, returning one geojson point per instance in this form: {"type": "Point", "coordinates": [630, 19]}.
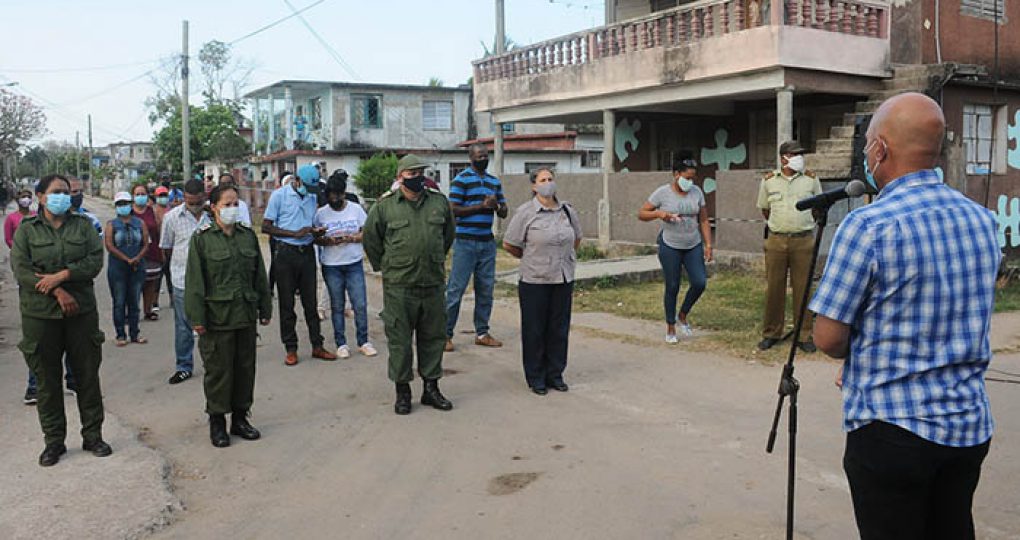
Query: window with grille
{"type": "Point", "coordinates": [457, 168]}
{"type": "Point", "coordinates": [534, 166]}
{"type": "Point", "coordinates": [592, 159]}
{"type": "Point", "coordinates": [437, 115]}
{"type": "Point", "coordinates": [985, 9]}
{"type": "Point", "coordinates": [978, 138]}
{"type": "Point", "coordinates": [366, 111]}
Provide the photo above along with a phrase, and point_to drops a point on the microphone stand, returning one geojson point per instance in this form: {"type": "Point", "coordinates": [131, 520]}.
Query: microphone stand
{"type": "Point", "coordinates": [789, 386]}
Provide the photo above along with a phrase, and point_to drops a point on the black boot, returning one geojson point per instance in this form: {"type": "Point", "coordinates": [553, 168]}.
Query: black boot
{"type": "Point", "coordinates": [51, 454]}
{"type": "Point", "coordinates": [240, 426]}
{"type": "Point", "coordinates": [218, 431]}
{"type": "Point", "coordinates": [432, 396]}
{"type": "Point", "coordinates": [403, 404]}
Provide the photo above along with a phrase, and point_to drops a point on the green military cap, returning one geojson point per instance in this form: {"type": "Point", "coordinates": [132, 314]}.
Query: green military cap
{"type": "Point", "coordinates": [411, 162]}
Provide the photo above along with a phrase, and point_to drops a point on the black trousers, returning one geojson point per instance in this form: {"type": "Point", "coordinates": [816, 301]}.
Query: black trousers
{"type": "Point", "coordinates": [294, 269]}
{"type": "Point", "coordinates": [545, 329]}
{"type": "Point", "coordinates": [905, 487]}
{"type": "Point", "coordinates": [272, 263]}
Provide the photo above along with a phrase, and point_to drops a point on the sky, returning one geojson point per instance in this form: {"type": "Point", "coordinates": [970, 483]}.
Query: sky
{"type": "Point", "coordinates": [80, 57]}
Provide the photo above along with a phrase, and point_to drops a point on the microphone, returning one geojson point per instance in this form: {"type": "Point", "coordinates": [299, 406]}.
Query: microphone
{"type": "Point", "coordinates": [853, 189]}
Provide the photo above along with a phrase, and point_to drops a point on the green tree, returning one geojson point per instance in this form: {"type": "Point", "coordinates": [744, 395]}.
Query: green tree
{"type": "Point", "coordinates": [213, 136]}
{"type": "Point", "coordinates": [435, 82]}
{"type": "Point", "coordinates": [35, 157]}
{"type": "Point", "coordinates": [20, 120]}
{"type": "Point", "coordinates": [376, 174]}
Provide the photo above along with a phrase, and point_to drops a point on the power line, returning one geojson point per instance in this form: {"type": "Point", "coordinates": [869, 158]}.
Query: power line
{"type": "Point", "coordinates": [276, 22]}
{"type": "Point", "coordinates": [329, 49]}
{"type": "Point", "coordinates": [77, 69]}
{"type": "Point", "coordinates": [67, 114]}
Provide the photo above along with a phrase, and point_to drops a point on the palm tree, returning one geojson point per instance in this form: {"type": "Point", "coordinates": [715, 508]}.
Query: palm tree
{"type": "Point", "coordinates": [435, 82]}
{"type": "Point", "coordinates": [508, 45]}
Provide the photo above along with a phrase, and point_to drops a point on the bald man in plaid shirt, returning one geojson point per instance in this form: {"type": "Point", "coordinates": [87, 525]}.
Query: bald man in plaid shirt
{"type": "Point", "coordinates": [906, 301]}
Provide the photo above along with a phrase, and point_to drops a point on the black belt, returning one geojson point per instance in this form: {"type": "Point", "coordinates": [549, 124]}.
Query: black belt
{"type": "Point", "coordinates": [791, 235]}
{"type": "Point", "coordinates": [300, 249]}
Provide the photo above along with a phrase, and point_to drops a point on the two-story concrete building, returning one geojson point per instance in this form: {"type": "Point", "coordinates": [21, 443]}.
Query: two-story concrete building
{"type": "Point", "coordinates": [725, 81]}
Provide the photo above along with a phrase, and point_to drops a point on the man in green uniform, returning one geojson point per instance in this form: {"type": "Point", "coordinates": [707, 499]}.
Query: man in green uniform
{"type": "Point", "coordinates": [226, 293]}
{"type": "Point", "coordinates": [789, 244]}
{"type": "Point", "coordinates": [55, 257]}
{"type": "Point", "coordinates": [407, 235]}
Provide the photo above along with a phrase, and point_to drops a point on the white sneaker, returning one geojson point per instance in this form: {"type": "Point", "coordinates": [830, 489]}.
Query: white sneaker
{"type": "Point", "coordinates": [343, 352]}
{"type": "Point", "coordinates": [685, 330]}
{"type": "Point", "coordinates": [672, 339]}
{"type": "Point", "coordinates": [368, 350]}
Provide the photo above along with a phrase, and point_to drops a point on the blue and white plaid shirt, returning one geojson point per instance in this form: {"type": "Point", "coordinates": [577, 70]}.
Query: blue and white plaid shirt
{"type": "Point", "coordinates": [913, 275]}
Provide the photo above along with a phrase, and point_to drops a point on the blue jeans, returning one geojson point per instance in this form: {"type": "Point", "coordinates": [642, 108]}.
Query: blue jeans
{"type": "Point", "coordinates": [478, 259]}
{"type": "Point", "coordinates": [184, 338]}
{"type": "Point", "coordinates": [349, 279]}
{"type": "Point", "coordinates": [672, 259]}
{"type": "Point", "coordinates": [126, 289]}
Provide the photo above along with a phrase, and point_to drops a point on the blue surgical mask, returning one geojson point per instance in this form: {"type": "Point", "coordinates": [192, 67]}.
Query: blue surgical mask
{"type": "Point", "coordinates": [162, 201]}
{"type": "Point", "coordinates": [58, 203]}
{"type": "Point", "coordinates": [869, 175]}
{"type": "Point", "coordinates": [685, 184]}
{"type": "Point", "coordinates": [229, 215]}
{"type": "Point", "coordinates": [123, 209]}
{"type": "Point", "coordinates": [302, 190]}
{"type": "Point", "coordinates": [141, 200]}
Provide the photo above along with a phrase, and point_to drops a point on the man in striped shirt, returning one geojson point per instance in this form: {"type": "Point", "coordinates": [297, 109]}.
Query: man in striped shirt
{"type": "Point", "coordinates": [475, 197]}
{"type": "Point", "coordinates": [906, 302]}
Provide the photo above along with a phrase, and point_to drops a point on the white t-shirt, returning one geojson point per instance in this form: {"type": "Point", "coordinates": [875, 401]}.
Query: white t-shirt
{"type": "Point", "coordinates": [345, 222]}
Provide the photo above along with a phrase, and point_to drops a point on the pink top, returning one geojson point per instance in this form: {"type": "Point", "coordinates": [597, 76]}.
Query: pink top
{"type": "Point", "coordinates": [11, 225]}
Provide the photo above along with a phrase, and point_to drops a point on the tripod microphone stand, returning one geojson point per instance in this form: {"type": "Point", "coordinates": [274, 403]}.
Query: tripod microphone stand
{"type": "Point", "coordinates": [788, 384]}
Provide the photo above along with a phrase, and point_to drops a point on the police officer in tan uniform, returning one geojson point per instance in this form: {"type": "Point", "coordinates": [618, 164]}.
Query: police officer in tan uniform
{"type": "Point", "coordinates": [789, 242]}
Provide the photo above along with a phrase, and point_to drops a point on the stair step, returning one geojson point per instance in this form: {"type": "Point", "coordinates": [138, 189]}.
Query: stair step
{"type": "Point", "coordinates": [886, 94]}
{"type": "Point", "coordinates": [850, 119]}
{"type": "Point", "coordinates": [916, 70]}
{"type": "Point", "coordinates": [867, 106]}
{"type": "Point", "coordinates": [834, 146]}
{"type": "Point", "coordinates": [841, 132]}
{"type": "Point", "coordinates": [906, 83]}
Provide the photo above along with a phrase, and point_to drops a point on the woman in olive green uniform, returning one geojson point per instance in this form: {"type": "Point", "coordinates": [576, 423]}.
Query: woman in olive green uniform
{"type": "Point", "coordinates": [225, 293]}
{"type": "Point", "coordinates": [55, 257]}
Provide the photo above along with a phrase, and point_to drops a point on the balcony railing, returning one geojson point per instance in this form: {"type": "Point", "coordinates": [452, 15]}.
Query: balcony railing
{"type": "Point", "coordinates": [684, 25]}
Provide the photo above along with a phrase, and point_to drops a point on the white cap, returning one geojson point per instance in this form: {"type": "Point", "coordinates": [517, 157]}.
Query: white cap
{"type": "Point", "coordinates": [121, 196]}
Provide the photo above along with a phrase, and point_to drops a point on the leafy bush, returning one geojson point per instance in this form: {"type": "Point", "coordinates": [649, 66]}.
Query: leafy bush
{"type": "Point", "coordinates": [376, 174]}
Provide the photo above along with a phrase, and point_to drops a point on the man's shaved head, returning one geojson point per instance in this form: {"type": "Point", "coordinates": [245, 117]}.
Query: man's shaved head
{"type": "Point", "coordinates": [905, 136]}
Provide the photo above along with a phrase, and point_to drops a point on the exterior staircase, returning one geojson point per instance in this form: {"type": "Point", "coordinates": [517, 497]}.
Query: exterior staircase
{"type": "Point", "coordinates": [833, 157]}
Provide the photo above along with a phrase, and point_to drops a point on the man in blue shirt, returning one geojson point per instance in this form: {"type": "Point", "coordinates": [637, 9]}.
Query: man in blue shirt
{"type": "Point", "coordinates": [288, 218]}
{"type": "Point", "coordinates": [475, 198]}
{"type": "Point", "coordinates": [906, 301]}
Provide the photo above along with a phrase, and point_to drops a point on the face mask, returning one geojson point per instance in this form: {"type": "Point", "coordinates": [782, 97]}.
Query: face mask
{"type": "Point", "coordinates": [123, 209]}
{"type": "Point", "coordinates": [685, 184]}
{"type": "Point", "coordinates": [336, 205]}
{"type": "Point", "coordinates": [58, 203]}
{"type": "Point", "coordinates": [162, 201]}
{"type": "Point", "coordinates": [141, 200]}
{"type": "Point", "coordinates": [302, 190]}
{"type": "Point", "coordinates": [229, 214]}
{"type": "Point", "coordinates": [869, 174]}
{"type": "Point", "coordinates": [76, 200]}
{"type": "Point", "coordinates": [25, 202]}
{"type": "Point", "coordinates": [546, 190]}
{"type": "Point", "coordinates": [195, 208]}
{"type": "Point", "coordinates": [416, 184]}
{"type": "Point", "coordinates": [796, 163]}
{"type": "Point", "coordinates": [481, 164]}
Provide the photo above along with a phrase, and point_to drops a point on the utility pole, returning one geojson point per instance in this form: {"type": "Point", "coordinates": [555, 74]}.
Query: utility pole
{"type": "Point", "coordinates": [77, 155]}
{"type": "Point", "coordinates": [92, 180]}
{"type": "Point", "coordinates": [500, 29]}
{"type": "Point", "coordinates": [185, 113]}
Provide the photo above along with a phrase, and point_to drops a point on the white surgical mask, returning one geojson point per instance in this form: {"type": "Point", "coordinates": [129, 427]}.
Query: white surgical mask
{"type": "Point", "coordinates": [25, 202]}
{"type": "Point", "coordinates": [685, 184]}
{"type": "Point", "coordinates": [796, 163]}
{"type": "Point", "coordinates": [229, 215]}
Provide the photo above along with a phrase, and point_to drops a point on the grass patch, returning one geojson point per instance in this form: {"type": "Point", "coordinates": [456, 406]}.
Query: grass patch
{"type": "Point", "coordinates": [1007, 297]}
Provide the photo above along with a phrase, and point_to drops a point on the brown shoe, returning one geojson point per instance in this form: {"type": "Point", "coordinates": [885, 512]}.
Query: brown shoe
{"type": "Point", "coordinates": [486, 340]}
{"type": "Point", "coordinates": [291, 359]}
{"type": "Point", "coordinates": [323, 354]}
{"type": "Point", "coordinates": [449, 345]}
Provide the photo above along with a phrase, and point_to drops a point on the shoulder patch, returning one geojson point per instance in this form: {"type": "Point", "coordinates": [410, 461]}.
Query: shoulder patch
{"type": "Point", "coordinates": [204, 227]}
{"type": "Point", "coordinates": [809, 173]}
{"type": "Point", "coordinates": [433, 190]}
{"type": "Point", "coordinates": [387, 193]}
{"type": "Point", "coordinates": [770, 174]}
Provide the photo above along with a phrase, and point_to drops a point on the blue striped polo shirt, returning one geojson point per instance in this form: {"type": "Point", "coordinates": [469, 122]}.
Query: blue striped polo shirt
{"type": "Point", "coordinates": [470, 189]}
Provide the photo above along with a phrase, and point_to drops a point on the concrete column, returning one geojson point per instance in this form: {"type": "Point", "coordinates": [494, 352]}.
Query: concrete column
{"type": "Point", "coordinates": [497, 151]}
{"type": "Point", "coordinates": [610, 11]}
{"type": "Point", "coordinates": [500, 29]}
{"type": "Point", "coordinates": [272, 124]}
{"type": "Point", "coordinates": [784, 118]}
{"type": "Point", "coordinates": [608, 167]}
{"type": "Point", "coordinates": [288, 104]}
{"type": "Point", "coordinates": [255, 102]}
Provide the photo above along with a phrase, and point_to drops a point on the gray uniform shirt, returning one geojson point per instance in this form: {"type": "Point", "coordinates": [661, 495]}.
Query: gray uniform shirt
{"type": "Point", "coordinates": [682, 233]}
{"type": "Point", "coordinates": [547, 237]}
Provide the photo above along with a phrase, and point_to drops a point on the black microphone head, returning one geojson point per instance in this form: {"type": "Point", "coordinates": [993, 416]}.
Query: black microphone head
{"type": "Point", "coordinates": [855, 188]}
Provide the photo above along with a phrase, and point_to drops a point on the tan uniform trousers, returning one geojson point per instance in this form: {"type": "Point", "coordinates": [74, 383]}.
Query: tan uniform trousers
{"type": "Point", "coordinates": [786, 255]}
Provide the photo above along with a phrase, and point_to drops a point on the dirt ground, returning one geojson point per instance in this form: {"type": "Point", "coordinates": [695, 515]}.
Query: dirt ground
{"type": "Point", "coordinates": [651, 441]}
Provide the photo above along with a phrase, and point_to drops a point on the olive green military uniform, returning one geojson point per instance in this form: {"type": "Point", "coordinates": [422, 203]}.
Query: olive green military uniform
{"type": "Point", "coordinates": [788, 247]}
{"type": "Point", "coordinates": [227, 292]}
{"type": "Point", "coordinates": [408, 241]}
{"type": "Point", "coordinates": [47, 334]}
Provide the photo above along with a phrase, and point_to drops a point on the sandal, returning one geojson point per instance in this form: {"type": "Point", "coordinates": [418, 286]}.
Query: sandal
{"type": "Point", "coordinates": [139, 340]}
{"type": "Point", "coordinates": [121, 342]}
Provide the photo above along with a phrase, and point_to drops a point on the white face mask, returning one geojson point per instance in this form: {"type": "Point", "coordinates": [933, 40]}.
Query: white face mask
{"type": "Point", "coordinates": [685, 184]}
{"type": "Point", "coordinates": [229, 215]}
{"type": "Point", "coordinates": [25, 202]}
{"type": "Point", "coordinates": [796, 163]}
